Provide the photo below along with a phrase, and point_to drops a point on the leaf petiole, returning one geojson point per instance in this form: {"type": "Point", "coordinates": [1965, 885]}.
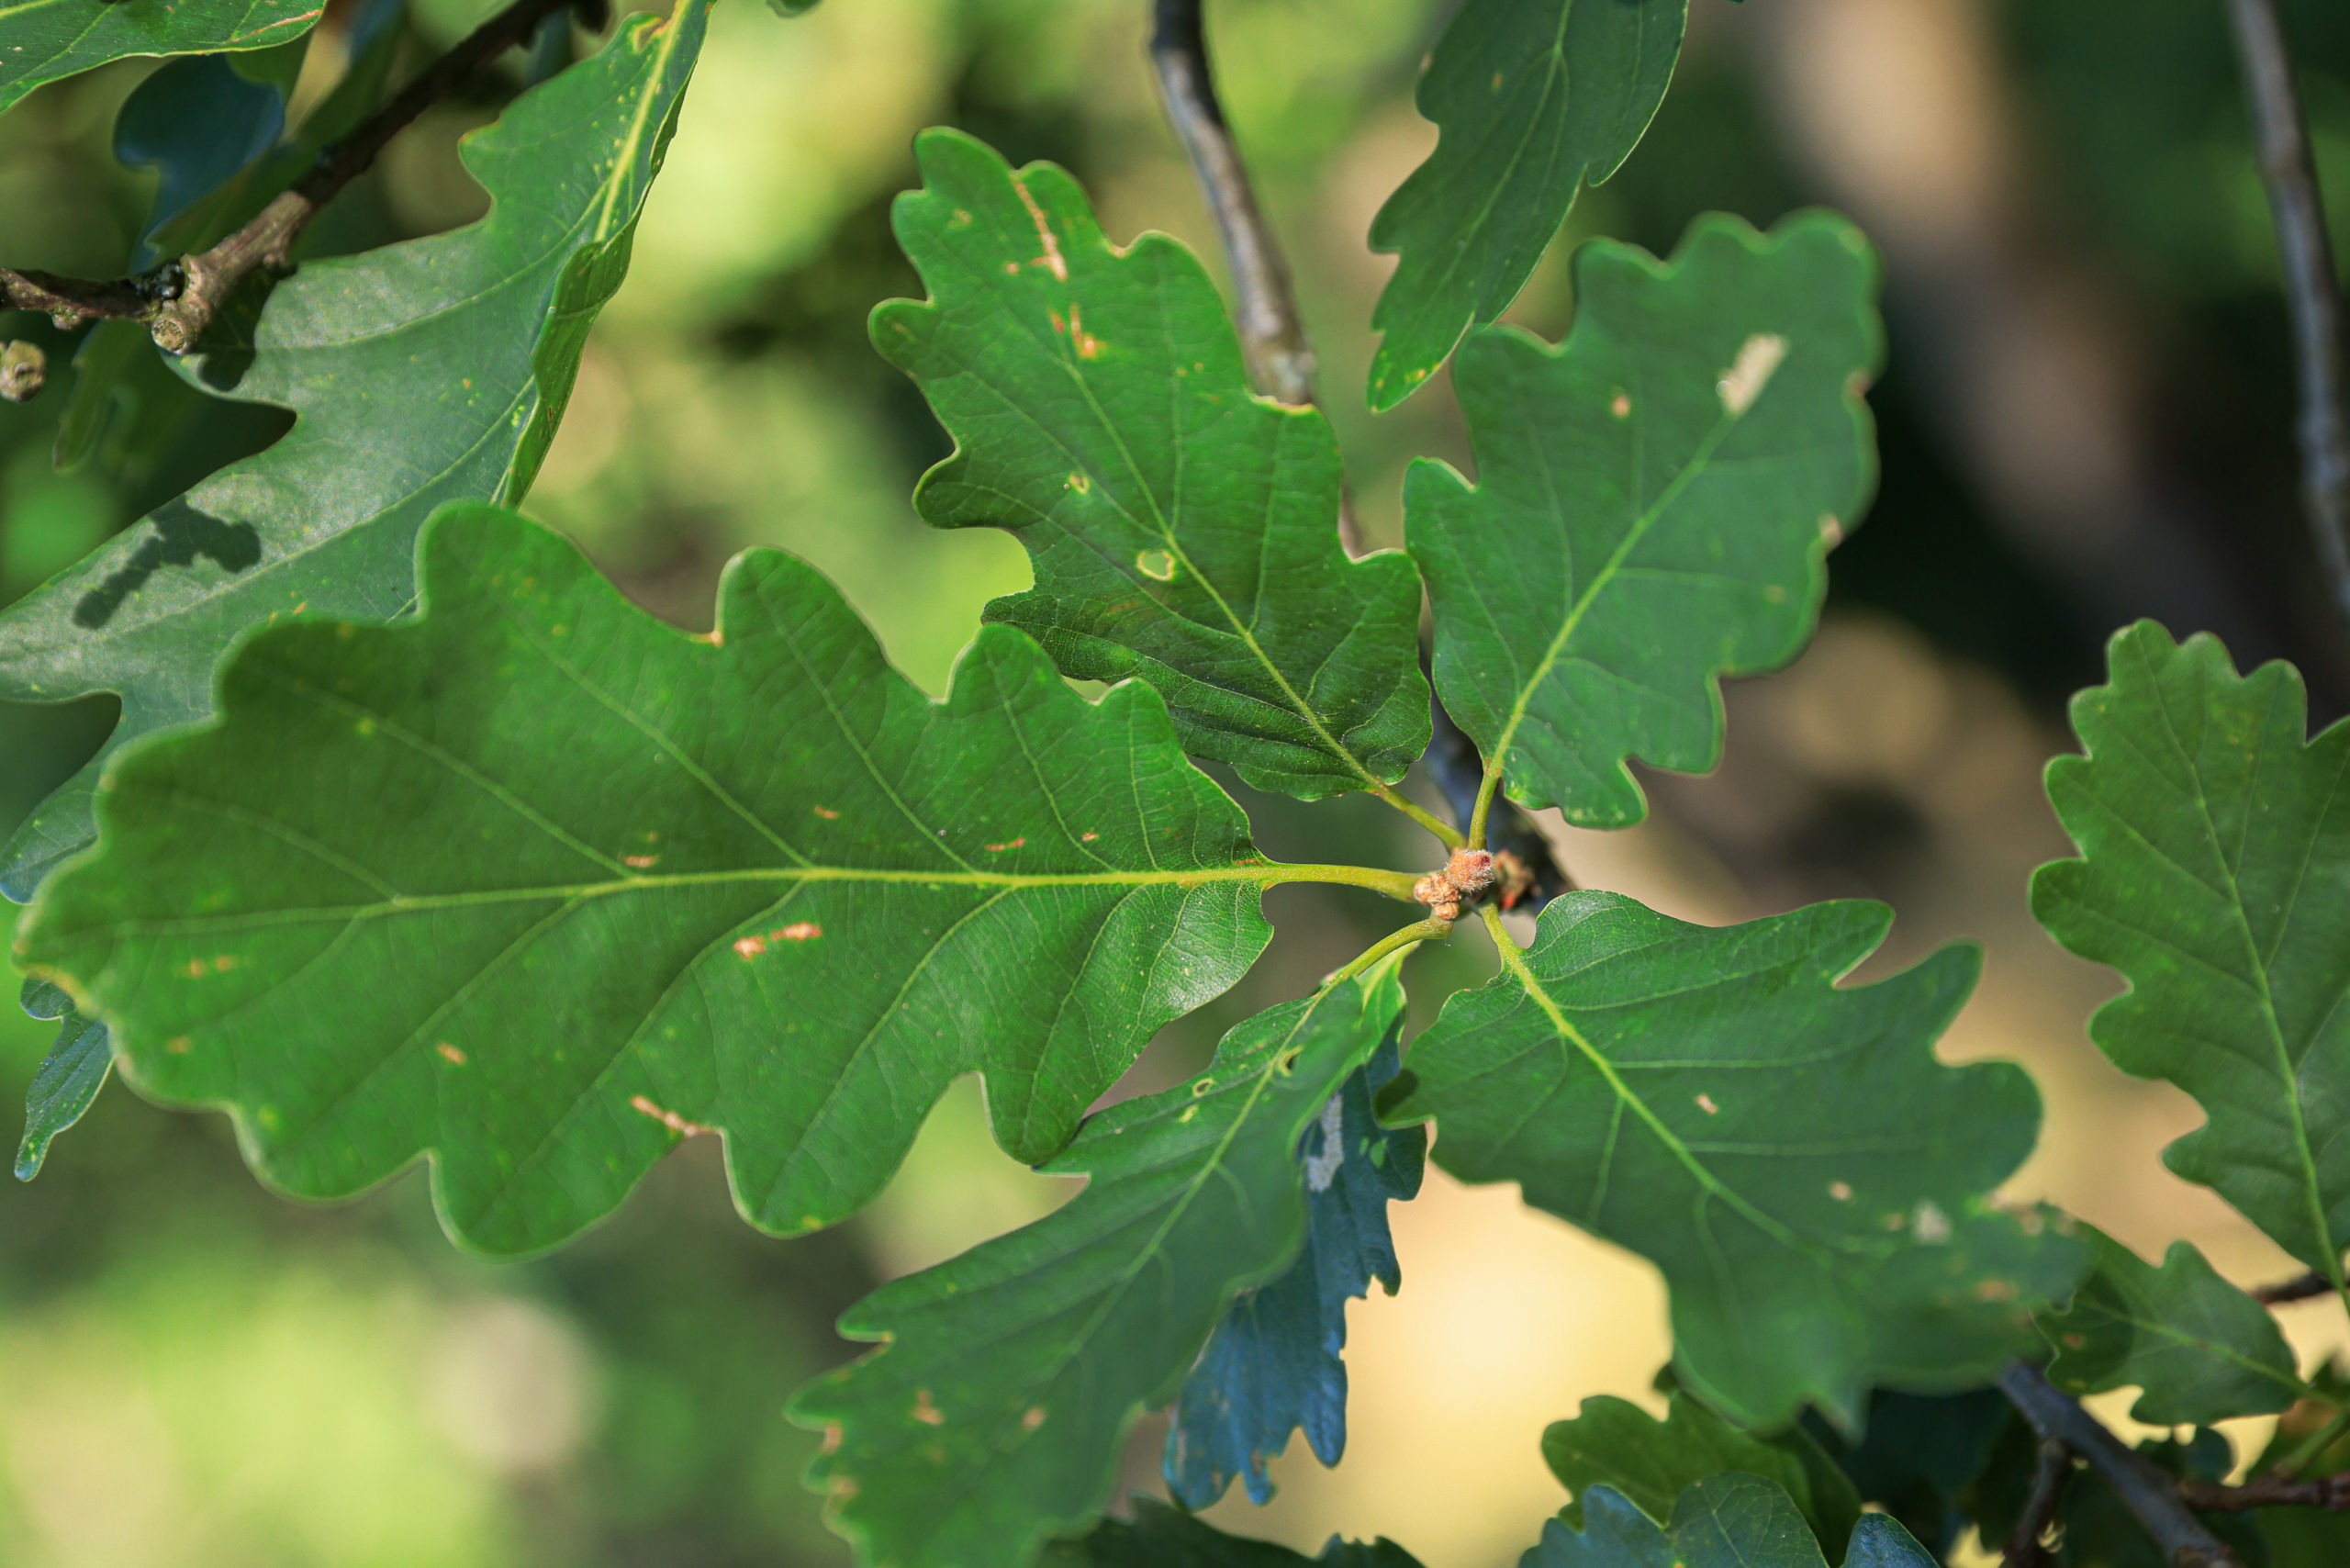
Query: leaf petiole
{"type": "Point", "coordinates": [1449, 835]}
{"type": "Point", "coordinates": [1428, 930]}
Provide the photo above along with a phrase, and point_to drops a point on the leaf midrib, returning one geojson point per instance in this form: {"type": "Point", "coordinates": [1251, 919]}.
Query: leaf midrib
{"type": "Point", "coordinates": [1115, 1291]}
{"type": "Point", "coordinates": [2289, 1078]}
{"type": "Point", "coordinates": [1158, 522]}
{"type": "Point", "coordinates": [1682, 479]}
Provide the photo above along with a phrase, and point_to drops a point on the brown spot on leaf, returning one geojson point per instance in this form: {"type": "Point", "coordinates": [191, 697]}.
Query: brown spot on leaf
{"type": "Point", "coordinates": [798, 931]}
{"type": "Point", "coordinates": [999, 848]}
{"type": "Point", "coordinates": [456, 1057]}
{"type": "Point", "coordinates": [1032, 1419]}
{"type": "Point", "coordinates": [640, 862]}
{"type": "Point", "coordinates": [929, 1414]}
{"type": "Point", "coordinates": [751, 946]}
{"type": "Point", "coordinates": [1052, 256]}
{"type": "Point", "coordinates": [1705, 1104]}
{"type": "Point", "coordinates": [830, 816]}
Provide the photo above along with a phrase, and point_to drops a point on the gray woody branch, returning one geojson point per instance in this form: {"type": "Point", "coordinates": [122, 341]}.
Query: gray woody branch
{"type": "Point", "coordinates": [2312, 290]}
{"type": "Point", "coordinates": [178, 299]}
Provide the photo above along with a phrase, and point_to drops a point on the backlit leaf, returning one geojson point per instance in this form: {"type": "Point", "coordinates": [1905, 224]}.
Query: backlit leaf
{"type": "Point", "coordinates": [995, 1414]}
{"type": "Point", "coordinates": [1654, 503]}
{"type": "Point", "coordinates": [42, 40]}
{"type": "Point", "coordinates": [541, 885]}
{"type": "Point", "coordinates": [2199, 1349]}
{"type": "Point", "coordinates": [1182, 530]}
{"type": "Point", "coordinates": [421, 372]}
{"type": "Point", "coordinates": [2215, 875]}
{"type": "Point", "coordinates": [1275, 1364]}
{"type": "Point", "coordinates": [1534, 99]}
{"type": "Point", "coordinates": [1812, 1182]}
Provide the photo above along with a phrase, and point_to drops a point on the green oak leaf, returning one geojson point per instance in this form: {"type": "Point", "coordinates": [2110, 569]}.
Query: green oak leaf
{"type": "Point", "coordinates": [1812, 1182]}
{"type": "Point", "coordinates": [1655, 501]}
{"type": "Point", "coordinates": [1534, 99]}
{"type": "Point", "coordinates": [2200, 1349]}
{"type": "Point", "coordinates": [540, 885]}
{"type": "Point", "coordinates": [208, 185]}
{"type": "Point", "coordinates": [421, 372]}
{"type": "Point", "coordinates": [1163, 1537]}
{"type": "Point", "coordinates": [1729, 1521]}
{"type": "Point", "coordinates": [68, 1078]}
{"type": "Point", "coordinates": [1613, 1443]}
{"type": "Point", "coordinates": [2215, 875]}
{"type": "Point", "coordinates": [1182, 530]}
{"type": "Point", "coordinates": [994, 1415]}
{"type": "Point", "coordinates": [42, 40]}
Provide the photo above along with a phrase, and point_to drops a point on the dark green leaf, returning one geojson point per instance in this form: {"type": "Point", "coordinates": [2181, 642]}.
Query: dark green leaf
{"type": "Point", "coordinates": [2200, 1349]}
{"type": "Point", "coordinates": [1614, 1443]}
{"type": "Point", "coordinates": [1275, 1363]}
{"type": "Point", "coordinates": [1731, 1521]}
{"type": "Point", "coordinates": [541, 885]}
{"type": "Point", "coordinates": [1654, 505]}
{"type": "Point", "coordinates": [1161, 1537]}
{"type": "Point", "coordinates": [68, 1078]}
{"type": "Point", "coordinates": [2216, 876]}
{"type": "Point", "coordinates": [423, 372]}
{"type": "Point", "coordinates": [1920, 1454]}
{"type": "Point", "coordinates": [995, 1416]}
{"type": "Point", "coordinates": [1182, 530]}
{"type": "Point", "coordinates": [1533, 99]}
{"type": "Point", "coordinates": [1812, 1182]}
{"type": "Point", "coordinates": [43, 41]}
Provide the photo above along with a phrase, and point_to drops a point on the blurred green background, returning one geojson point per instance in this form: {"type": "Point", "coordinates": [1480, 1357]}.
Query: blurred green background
{"type": "Point", "coordinates": [2086, 417]}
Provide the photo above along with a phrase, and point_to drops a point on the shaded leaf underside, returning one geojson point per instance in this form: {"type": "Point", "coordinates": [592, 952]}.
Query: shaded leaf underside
{"type": "Point", "coordinates": [1276, 1364]}
{"type": "Point", "coordinates": [540, 885]}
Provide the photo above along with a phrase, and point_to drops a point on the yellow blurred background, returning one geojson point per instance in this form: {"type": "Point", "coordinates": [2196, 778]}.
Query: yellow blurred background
{"type": "Point", "coordinates": [2085, 420]}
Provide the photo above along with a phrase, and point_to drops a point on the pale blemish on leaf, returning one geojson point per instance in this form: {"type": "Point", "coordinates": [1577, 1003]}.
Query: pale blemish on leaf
{"type": "Point", "coordinates": [1832, 529]}
{"type": "Point", "coordinates": [1759, 359]}
{"type": "Point", "coordinates": [455, 1057]}
{"type": "Point", "coordinates": [928, 1413]}
{"type": "Point", "coordinates": [1032, 1419]}
{"type": "Point", "coordinates": [1705, 1104]}
{"type": "Point", "coordinates": [1622, 405]}
{"type": "Point", "coordinates": [1079, 483]}
{"type": "Point", "coordinates": [1932, 1225]}
{"type": "Point", "coordinates": [1321, 1169]}
{"type": "Point", "coordinates": [1840, 1190]}
{"type": "Point", "coordinates": [1156, 564]}
{"type": "Point", "coordinates": [669, 1119]}
{"type": "Point", "coordinates": [1052, 256]}
{"type": "Point", "coordinates": [827, 813]}
{"type": "Point", "coordinates": [640, 862]}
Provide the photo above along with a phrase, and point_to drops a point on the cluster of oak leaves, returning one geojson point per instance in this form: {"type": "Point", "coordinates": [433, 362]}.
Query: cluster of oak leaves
{"type": "Point", "coordinates": [463, 856]}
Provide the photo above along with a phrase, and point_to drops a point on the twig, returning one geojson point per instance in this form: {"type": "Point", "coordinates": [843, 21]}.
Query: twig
{"type": "Point", "coordinates": [1273, 337]}
{"type": "Point", "coordinates": [178, 299]}
{"type": "Point", "coordinates": [2149, 1493]}
{"type": "Point", "coordinates": [2300, 1287]}
{"type": "Point", "coordinates": [2056, 1468]}
{"type": "Point", "coordinates": [2278, 1489]}
{"type": "Point", "coordinates": [2312, 291]}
